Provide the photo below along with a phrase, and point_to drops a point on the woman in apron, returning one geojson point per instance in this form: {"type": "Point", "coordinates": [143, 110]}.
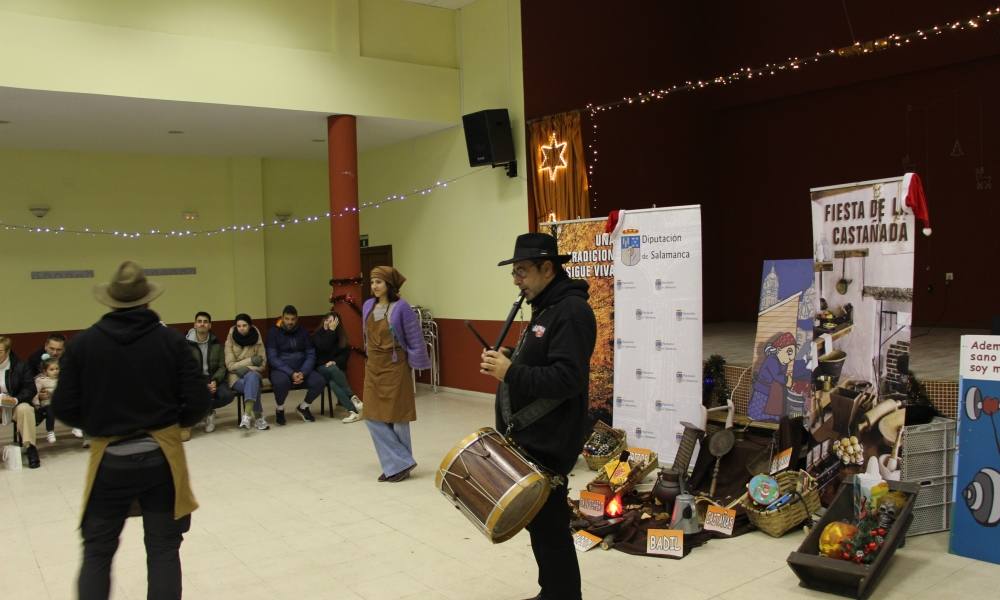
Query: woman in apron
{"type": "Point", "coordinates": [395, 344]}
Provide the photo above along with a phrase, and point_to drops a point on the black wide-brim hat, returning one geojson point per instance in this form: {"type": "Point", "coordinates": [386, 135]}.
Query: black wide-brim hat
{"type": "Point", "coordinates": [531, 246]}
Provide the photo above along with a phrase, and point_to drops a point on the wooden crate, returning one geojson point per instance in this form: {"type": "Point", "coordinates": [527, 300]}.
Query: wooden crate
{"type": "Point", "coordinates": [840, 576]}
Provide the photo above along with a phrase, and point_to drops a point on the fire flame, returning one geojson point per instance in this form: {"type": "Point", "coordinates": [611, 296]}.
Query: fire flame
{"type": "Point", "coordinates": [614, 507]}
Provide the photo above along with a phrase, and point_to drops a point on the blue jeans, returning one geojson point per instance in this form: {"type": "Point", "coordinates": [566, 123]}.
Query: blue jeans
{"type": "Point", "coordinates": [393, 446]}
{"type": "Point", "coordinates": [336, 380]}
{"type": "Point", "coordinates": [249, 386]}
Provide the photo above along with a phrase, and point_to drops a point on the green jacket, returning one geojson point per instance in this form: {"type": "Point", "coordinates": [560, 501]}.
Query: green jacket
{"type": "Point", "coordinates": [216, 356]}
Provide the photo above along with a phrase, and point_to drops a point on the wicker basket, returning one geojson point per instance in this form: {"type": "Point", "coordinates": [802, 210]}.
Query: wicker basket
{"type": "Point", "coordinates": [777, 523]}
{"type": "Point", "coordinates": [596, 461]}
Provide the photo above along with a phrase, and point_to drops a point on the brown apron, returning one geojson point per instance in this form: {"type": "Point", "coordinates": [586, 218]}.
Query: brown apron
{"type": "Point", "coordinates": [169, 439]}
{"type": "Point", "coordinates": [388, 394]}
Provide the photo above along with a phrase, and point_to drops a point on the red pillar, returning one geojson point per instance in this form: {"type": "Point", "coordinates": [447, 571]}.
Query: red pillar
{"type": "Point", "coordinates": [345, 231]}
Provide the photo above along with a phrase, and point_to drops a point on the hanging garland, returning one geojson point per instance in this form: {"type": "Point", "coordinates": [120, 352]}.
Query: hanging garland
{"type": "Point", "coordinates": [860, 48]}
{"type": "Point", "coordinates": [347, 299]}
{"type": "Point", "coordinates": [359, 280]}
{"type": "Point", "coordinates": [239, 227]}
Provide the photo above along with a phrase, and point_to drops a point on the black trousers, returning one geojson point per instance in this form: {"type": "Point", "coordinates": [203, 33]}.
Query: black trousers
{"type": "Point", "coordinates": [552, 544]}
{"type": "Point", "coordinates": [223, 395]}
{"type": "Point", "coordinates": [44, 413]}
{"type": "Point", "coordinates": [121, 480]}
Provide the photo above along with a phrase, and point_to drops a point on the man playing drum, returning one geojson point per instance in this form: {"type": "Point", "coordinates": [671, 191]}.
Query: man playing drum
{"type": "Point", "coordinates": [541, 402]}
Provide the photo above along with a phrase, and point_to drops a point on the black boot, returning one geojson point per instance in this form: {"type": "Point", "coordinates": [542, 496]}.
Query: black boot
{"type": "Point", "coordinates": [32, 452]}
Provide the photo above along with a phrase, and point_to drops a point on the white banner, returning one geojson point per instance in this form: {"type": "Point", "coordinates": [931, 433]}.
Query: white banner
{"type": "Point", "coordinates": [658, 326]}
{"type": "Point", "coordinates": [864, 235]}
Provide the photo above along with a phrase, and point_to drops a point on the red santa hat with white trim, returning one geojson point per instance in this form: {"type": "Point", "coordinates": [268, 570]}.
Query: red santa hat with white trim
{"type": "Point", "coordinates": [913, 197]}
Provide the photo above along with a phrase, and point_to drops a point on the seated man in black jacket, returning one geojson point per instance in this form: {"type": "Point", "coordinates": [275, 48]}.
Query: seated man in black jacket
{"type": "Point", "coordinates": [17, 391]}
{"type": "Point", "coordinates": [542, 398]}
{"type": "Point", "coordinates": [54, 346]}
{"type": "Point", "coordinates": [131, 383]}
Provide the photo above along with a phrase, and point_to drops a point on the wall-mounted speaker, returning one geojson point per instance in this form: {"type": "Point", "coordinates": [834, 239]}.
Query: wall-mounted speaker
{"type": "Point", "coordinates": [488, 139]}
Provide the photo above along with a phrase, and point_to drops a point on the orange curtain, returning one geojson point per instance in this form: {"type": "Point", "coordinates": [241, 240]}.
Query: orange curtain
{"type": "Point", "coordinates": [559, 169]}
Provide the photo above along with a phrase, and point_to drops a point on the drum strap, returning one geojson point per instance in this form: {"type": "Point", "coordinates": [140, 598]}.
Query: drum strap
{"type": "Point", "coordinates": [527, 416]}
{"type": "Point", "coordinates": [531, 413]}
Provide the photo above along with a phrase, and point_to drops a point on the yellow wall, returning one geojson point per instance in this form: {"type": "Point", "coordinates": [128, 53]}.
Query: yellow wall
{"type": "Point", "coordinates": [448, 243]}
{"type": "Point", "coordinates": [387, 28]}
{"type": "Point", "coordinates": [298, 256]}
{"type": "Point", "coordinates": [300, 24]}
{"type": "Point", "coordinates": [103, 47]}
{"type": "Point", "coordinates": [235, 272]}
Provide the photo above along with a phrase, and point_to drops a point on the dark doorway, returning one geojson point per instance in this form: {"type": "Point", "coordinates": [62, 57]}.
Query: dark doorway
{"type": "Point", "coordinates": [371, 257]}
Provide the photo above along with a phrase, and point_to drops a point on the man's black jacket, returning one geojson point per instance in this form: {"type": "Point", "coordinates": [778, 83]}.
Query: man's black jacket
{"type": "Point", "coordinates": [553, 361]}
{"type": "Point", "coordinates": [128, 372]}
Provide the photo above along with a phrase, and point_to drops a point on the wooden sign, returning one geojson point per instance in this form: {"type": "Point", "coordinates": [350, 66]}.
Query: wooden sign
{"type": "Point", "coordinates": [720, 519]}
{"type": "Point", "coordinates": [592, 504]}
{"type": "Point", "coordinates": [585, 541]}
{"type": "Point", "coordinates": [645, 453]}
{"type": "Point", "coordinates": [666, 542]}
{"type": "Point", "coordinates": [781, 460]}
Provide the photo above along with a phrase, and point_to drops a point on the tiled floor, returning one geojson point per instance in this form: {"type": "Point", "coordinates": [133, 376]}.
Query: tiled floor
{"type": "Point", "coordinates": [296, 513]}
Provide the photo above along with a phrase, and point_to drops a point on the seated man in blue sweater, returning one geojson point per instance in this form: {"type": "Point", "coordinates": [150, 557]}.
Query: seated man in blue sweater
{"type": "Point", "coordinates": [292, 359]}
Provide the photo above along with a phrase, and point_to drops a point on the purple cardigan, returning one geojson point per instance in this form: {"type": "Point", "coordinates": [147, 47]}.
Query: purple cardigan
{"type": "Point", "coordinates": [405, 328]}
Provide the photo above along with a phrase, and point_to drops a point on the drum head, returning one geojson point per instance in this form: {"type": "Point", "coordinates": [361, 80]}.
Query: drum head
{"type": "Point", "coordinates": [518, 507]}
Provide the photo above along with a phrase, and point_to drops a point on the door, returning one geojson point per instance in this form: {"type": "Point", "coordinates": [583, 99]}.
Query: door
{"type": "Point", "coordinates": [371, 257]}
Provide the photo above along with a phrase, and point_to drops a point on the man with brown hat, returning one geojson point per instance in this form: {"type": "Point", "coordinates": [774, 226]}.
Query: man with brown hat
{"type": "Point", "coordinates": [131, 383]}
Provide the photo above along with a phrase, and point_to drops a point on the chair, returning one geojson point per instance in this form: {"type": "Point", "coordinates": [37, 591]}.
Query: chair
{"type": "Point", "coordinates": [238, 397]}
{"type": "Point", "coordinates": [265, 387]}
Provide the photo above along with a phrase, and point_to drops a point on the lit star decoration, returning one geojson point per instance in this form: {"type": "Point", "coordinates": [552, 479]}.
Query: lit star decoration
{"type": "Point", "coordinates": [553, 157]}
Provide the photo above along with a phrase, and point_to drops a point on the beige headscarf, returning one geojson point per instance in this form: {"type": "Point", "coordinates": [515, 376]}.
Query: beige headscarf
{"type": "Point", "coordinates": [389, 275]}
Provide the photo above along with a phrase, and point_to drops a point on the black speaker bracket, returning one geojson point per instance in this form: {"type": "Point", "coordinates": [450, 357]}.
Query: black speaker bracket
{"type": "Point", "coordinates": [509, 167]}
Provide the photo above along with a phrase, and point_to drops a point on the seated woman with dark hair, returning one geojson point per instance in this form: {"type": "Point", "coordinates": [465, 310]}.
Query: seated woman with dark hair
{"type": "Point", "coordinates": [332, 352]}
{"type": "Point", "coordinates": [17, 391]}
{"type": "Point", "coordinates": [245, 361]}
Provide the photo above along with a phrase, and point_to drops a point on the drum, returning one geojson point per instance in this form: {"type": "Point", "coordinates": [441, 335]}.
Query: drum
{"type": "Point", "coordinates": [491, 482]}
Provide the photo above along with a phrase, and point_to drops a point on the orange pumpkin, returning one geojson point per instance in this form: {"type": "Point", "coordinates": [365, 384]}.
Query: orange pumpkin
{"type": "Point", "coordinates": [834, 534]}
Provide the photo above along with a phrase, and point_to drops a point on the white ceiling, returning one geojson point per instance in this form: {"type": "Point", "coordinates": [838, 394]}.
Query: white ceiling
{"type": "Point", "coordinates": [452, 4]}
{"type": "Point", "coordinates": [58, 120]}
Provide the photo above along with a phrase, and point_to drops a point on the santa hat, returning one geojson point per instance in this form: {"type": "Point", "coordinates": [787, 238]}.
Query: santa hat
{"type": "Point", "coordinates": [913, 195]}
{"type": "Point", "coordinates": [612, 222]}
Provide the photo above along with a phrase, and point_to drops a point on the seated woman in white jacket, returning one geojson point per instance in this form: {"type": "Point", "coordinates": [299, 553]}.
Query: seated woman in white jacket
{"type": "Point", "coordinates": [245, 361]}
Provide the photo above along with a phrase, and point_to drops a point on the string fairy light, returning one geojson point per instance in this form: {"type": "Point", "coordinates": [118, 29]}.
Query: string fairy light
{"type": "Point", "coordinates": [240, 227]}
{"type": "Point", "coordinates": [769, 70]}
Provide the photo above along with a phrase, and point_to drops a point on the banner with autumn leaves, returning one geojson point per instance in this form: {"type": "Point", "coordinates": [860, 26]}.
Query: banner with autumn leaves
{"type": "Point", "coordinates": [591, 251]}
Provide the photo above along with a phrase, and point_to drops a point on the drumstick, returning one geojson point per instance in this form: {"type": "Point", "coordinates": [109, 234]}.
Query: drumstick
{"type": "Point", "coordinates": [476, 333]}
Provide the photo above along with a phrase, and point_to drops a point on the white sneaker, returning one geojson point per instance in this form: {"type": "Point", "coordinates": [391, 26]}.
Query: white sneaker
{"type": "Point", "coordinates": [210, 422]}
{"type": "Point", "coordinates": [352, 417]}
{"type": "Point", "coordinates": [77, 433]}
{"type": "Point", "coordinates": [358, 404]}
{"type": "Point", "coordinates": [245, 421]}
{"type": "Point", "coordinates": [262, 424]}
{"type": "Point", "coordinates": [51, 437]}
